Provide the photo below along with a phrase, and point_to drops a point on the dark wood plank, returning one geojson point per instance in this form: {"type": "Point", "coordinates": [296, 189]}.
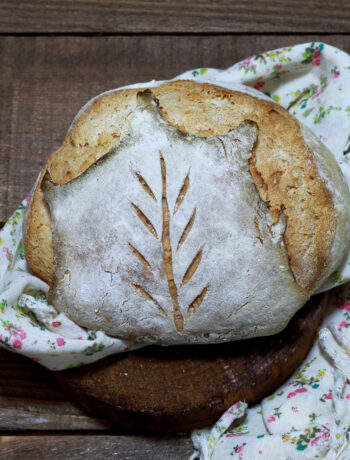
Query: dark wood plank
{"type": "Point", "coordinates": [254, 16]}
{"type": "Point", "coordinates": [96, 447]}
{"type": "Point", "coordinates": [45, 80]}
{"type": "Point", "coordinates": [31, 399]}
{"type": "Point", "coordinates": [23, 379]}
{"type": "Point", "coordinates": [30, 420]}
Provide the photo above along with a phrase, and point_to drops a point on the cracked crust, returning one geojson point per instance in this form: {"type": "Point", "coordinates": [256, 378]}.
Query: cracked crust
{"type": "Point", "coordinates": [285, 168]}
{"type": "Point", "coordinates": [103, 246]}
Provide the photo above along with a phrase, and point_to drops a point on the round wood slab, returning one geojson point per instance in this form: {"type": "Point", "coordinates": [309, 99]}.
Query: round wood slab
{"type": "Point", "coordinates": [172, 389]}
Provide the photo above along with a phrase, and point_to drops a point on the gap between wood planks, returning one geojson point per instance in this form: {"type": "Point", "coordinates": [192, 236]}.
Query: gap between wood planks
{"type": "Point", "coordinates": [168, 34]}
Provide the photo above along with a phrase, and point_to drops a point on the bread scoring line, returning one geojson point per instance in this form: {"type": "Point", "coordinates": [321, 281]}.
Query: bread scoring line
{"type": "Point", "coordinates": [167, 250]}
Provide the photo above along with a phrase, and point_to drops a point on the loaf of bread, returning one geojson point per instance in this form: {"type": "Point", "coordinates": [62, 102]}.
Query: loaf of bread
{"type": "Point", "coordinates": [186, 213]}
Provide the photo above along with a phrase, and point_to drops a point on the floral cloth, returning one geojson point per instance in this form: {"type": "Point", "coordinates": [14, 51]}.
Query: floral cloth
{"type": "Point", "coordinates": [29, 325]}
{"type": "Point", "coordinates": [309, 416]}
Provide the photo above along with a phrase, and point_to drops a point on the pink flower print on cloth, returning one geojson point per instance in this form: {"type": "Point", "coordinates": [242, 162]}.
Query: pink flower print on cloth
{"type": "Point", "coordinates": [307, 418]}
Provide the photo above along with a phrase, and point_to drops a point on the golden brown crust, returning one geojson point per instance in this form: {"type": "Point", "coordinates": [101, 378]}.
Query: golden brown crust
{"type": "Point", "coordinates": [99, 128]}
{"type": "Point", "coordinates": [283, 166]}
{"type": "Point", "coordinates": [37, 238]}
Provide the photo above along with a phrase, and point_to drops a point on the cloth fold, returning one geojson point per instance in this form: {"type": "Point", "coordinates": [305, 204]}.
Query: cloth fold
{"type": "Point", "coordinates": [306, 418]}
{"type": "Point", "coordinates": [32, 327]}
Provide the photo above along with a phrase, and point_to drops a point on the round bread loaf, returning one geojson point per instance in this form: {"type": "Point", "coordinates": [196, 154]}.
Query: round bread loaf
{"type": "Point", "coordinates": [186, 213]}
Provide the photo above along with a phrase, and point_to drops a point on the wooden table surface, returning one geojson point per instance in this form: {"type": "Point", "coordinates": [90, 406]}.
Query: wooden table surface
{"type": "Point", "coordinates": [54, 56]}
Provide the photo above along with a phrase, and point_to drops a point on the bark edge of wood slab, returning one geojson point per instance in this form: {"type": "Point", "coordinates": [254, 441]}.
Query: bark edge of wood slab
{"type": "Point", "coordinates": [178, 388]}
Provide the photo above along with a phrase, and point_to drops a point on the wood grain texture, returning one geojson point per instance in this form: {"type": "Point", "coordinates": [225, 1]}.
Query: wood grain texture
{"type": "Point", "coordinates": [45, 80]}
{"type": "Point", "coordinates": [37, 420]}
{"type": "Point", "coordinates": [95, 447]}
{"type": "Point", "coordinates": [31, 399]}
{"type": "Point", "coordinates": [178, 388]}
{"type": "Point", "coordinates": [255, 16]}
{"type": "Point", "coordinates": [21, 378]}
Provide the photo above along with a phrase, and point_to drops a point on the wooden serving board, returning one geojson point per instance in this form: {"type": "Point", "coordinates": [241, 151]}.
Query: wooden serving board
{"type": "Point", "coordinates": [174, 389]}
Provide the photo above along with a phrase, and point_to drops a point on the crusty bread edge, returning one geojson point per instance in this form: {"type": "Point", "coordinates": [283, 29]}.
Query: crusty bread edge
{"type": "Point", "coordinates": [38, 240]}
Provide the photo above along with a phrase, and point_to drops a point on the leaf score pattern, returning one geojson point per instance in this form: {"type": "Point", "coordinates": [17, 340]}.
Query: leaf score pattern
{"type": "Point", "coordinates": [167, 251]}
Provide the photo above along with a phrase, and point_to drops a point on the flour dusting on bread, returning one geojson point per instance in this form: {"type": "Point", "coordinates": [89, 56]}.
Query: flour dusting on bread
{"type": "Point", "coordinates": [218, 206]}
{"type": "Point", "coordinates": [152, 233]}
